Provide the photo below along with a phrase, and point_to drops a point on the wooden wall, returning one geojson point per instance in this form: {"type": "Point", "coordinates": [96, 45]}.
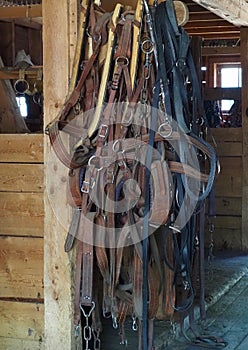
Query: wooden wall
{"type": "Point", "coordinates": [228, 190]}
{"type": "Point", "coordinates": [15, 37]}
{"type": "Point", "coordinates": [21, 242]}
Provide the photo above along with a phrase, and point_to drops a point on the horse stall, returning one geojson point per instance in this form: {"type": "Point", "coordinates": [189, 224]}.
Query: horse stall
{"type": "Point", "coordinates": [38, 272]}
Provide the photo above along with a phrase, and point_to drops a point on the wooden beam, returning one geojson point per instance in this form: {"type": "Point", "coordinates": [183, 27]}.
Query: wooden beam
{"type": "Point", "coordinates": [13, 73]}
{"type": "Point", "coordinates": [244, 64]}
{"type": "Point", "coordinates": [219, 35]}
{"type": "Point", "coordinates": [233, 11]}
{"type": "Point", "coordinates": [220, 51]}
{"type": "Point", "coordinates": [212, 22]}
{"type": "Point", "coordinates": [58, 266]}
{"type": "Point", "coordinates": [27, 11]}
{"type": "Point", "coordinates": [207, 32]}
{"type": "Point", "coordinates": [222, 94]}
{"type": "Point", "coordinates": [34, 22]}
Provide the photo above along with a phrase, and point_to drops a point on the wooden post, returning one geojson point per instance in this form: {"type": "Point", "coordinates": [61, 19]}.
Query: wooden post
{"type": "Point", "coordinates": [58, 34]}
{"type": "Point", "coordinates": [244, 62]}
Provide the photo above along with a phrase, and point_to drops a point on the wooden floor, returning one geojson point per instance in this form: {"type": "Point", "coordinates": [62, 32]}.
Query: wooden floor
{"type": "Point", "coordinates": [227, 312]}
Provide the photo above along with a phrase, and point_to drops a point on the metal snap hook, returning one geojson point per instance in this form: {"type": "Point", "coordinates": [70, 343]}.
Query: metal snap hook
{"type": "Point", "coordinates": [115, 323]}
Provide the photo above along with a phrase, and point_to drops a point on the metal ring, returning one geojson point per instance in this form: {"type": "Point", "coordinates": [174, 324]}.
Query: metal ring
{"type": "Point", "coordinates": [125, 61]}
{"type": "Point", "coordinates": [147, 51]}
{"type": "Point", "coordinates": [97, 167]}
{"type": "Point", "coordinates": [162, 130]}
{"type": "Point", "coordinates": [19, 83]}
{"type": "Point", "coordinates": [90, 160]}
{"type": "Point", "coordinates": [114, 146]}
{"type": "Point", "coordinates": [37, 98]}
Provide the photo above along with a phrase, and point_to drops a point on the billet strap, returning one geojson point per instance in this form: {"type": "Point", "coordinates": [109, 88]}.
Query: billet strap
{"type": "Point", "coordinates": [86, 235]}
{"type": "Point", "coordinates": [84, 260]}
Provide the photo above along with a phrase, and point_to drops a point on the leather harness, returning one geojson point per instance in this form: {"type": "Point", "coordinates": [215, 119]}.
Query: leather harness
{"type": "Point", "coordinates": [134, 250]}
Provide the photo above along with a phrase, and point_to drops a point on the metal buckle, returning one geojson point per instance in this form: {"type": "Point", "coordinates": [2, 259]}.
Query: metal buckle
{"type": "Point", "coordinates": [85, 187]}
{"type": "Point", "coordinates": [103, 132]}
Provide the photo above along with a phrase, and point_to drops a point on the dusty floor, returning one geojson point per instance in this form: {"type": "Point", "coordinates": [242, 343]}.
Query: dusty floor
{"type": "Point", "coordinates": [227, 312]}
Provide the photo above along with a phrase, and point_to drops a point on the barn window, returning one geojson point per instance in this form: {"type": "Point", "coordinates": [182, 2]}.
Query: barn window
{"type": "Point", "coordinates": [22, 104]}
{"type": "Point", "coordinates": [228, 75]}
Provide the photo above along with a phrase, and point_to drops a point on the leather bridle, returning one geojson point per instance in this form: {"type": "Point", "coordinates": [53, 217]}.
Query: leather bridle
{"type": "Point", "coordinates": [141, 255]}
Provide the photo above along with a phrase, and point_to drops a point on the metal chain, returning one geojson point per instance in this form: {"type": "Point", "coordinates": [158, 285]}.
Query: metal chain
{"type": "Point", "coordinates": [97, 341]}
{"type": "Point", "coordinates": [210, 250]}
{"type": "Point", "coordinates": [87, 330]}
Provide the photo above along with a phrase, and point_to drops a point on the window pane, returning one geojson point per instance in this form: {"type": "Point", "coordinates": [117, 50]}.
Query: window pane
{"type": "Point", "coordinates": [231, 77]}
{"type": "Point", "coordinates": [226, 104]}
{"type": "Point", "coordinates": [22, 104]}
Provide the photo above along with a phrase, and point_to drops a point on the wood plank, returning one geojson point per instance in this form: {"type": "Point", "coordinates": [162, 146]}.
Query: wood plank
{"type": "Point", "coordinates": [21, 214]}
{"type": "Point", "coordinates": [19, 344]}
{"type": "Point", "coordinates": [229, 149]}
{"type": "Point", "coordinates": [27, 11]}
{"type": "Point", "coordinates": [225, 238]}
{"type": "Point", "coordinates": [244, 65]}
{"type": "Point", "coordinates": [21, 320]}
{"type": "Point", "coordinates": [21, 267]}
{"type": "Point", "coordinates": [219, 51]}
{"type": "Point", "coordinates": [222, 94]}
{"type": "Point", "coordinates": [228, 222]}
{"type": "Point", "coordinates": [13, 73]}
{"type": "Point", "coordinates": [21, 148]}
{"type": "Point", "coordinates": [233, 11]}
{"type": "Point", "coordinates": [228, 206]}
{"type": "Point", "coordinates": [228, 186]}
{"type": "Point", "coordinates": [226, 134]}
{"type": "Point", "coordinates": [231, 165]}
{"type": "Point", "coordinates": [6, 49]}
{"type": "Point", "coordinates": [21, 177]}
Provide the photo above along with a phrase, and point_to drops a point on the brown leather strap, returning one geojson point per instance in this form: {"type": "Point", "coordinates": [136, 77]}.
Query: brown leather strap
{"type": "Point", "coordinates": [87, 226]}
{"type": "Point", "coordinates": [84, 259]}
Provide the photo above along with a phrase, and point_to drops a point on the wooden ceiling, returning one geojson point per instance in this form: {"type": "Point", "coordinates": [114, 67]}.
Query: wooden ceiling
{"type": "Point", "coordinates": [206, 24]}
{"type": "Point", "coordinates": [209, 19]}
